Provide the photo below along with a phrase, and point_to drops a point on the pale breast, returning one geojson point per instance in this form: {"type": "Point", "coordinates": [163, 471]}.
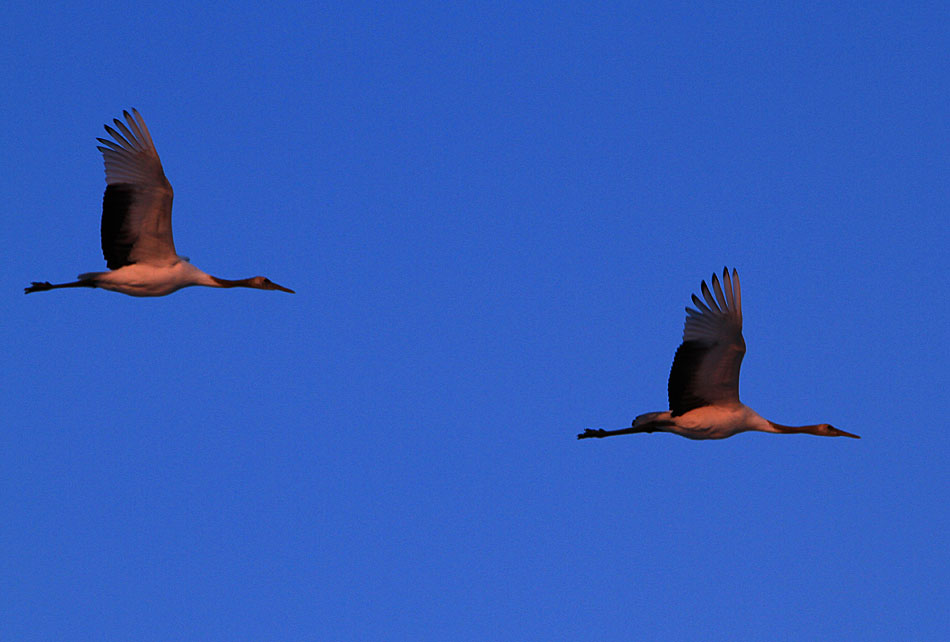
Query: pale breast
{"type": "Point", "coordinates": [144, 279]}
{"type": "Point", "coordinates": [717, 421]}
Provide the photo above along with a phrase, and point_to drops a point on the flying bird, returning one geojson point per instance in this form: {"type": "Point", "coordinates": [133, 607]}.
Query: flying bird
{"type": "Point", "coordinates": [704, 380]}
{"type": "Point", "coordinates": [137, 224]}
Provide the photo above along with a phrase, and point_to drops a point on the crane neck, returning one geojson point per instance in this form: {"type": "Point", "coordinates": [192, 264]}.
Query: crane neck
{"type": "Point", "coordinates": [229, 283]}
{"type": "Point", "coordinates": [814, 429]}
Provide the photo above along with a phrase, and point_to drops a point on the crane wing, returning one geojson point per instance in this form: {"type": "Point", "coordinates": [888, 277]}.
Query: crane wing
{"type": "Point", "coordinates": [706, 366]}
{"type": "Point", "coordinates": [137, 206]}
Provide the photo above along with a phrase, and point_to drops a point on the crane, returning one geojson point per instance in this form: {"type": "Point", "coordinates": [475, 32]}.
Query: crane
{"type": "Point", "coordinates": [704, 380]}
{"type": "Point", "coordinates": [136, 225]}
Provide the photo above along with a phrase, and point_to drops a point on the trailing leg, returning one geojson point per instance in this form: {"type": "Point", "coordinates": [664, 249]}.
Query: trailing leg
{"type": "Point", "coordinates": [46, 285]}
{"type": "Point", "coordinates": [649, 422]}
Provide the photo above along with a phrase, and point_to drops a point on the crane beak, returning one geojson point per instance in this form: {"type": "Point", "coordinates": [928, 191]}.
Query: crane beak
{"type": "Point", "coordinates": [834, 432]}
{"type": "Point", "coordinates": [282, 288]}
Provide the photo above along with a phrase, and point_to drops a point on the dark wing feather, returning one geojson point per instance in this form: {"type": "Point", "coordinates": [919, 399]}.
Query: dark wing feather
{"type": "Point", "coordinates": [137, 206]}
{"type": "Point", "coordinates": [683, 397]}
{"type": "Point", "coordinates": [116, 246]}
{"type": "Point", "coordinates": [706, 366]}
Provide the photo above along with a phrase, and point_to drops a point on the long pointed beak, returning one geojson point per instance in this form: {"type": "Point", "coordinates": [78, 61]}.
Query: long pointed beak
{"type": "Point", "coordinates": [282, 288]}
{"type": "Point", "coordinates": [835, 432]}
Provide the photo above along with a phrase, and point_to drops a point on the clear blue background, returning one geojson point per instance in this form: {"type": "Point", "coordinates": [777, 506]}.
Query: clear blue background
{"type": "Point", "coordinates": [493, 215]}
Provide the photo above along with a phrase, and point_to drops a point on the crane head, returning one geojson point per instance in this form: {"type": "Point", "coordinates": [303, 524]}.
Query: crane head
{"type": "Point", "coordinates": [263, 283]}
{"type": "Point", "coordinates": [831, 431]}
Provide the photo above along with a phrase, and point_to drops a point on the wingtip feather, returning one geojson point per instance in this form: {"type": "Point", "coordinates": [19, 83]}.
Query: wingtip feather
{"type": "Point", "coordinates": [720, 297]}
{"type": "Point", "coordinates": [709, 297]}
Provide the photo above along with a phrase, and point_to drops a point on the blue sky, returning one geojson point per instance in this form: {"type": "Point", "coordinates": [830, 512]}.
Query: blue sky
{"type": "Point", "coordinates": [493, 215]}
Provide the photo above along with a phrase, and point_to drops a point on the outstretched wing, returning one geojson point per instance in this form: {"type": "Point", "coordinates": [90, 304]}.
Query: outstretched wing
{"type": "Point", "coordinates": [706, 366]}
{"type": "Point", "coordinates": [137, 206]}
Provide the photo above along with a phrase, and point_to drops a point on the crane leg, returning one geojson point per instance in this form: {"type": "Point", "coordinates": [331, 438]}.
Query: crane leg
{"type": "Point", "coordinates": [600, 432]}
{"type": "Point", "coordinates": [647, 426]}
{"type": "Point", "coordinates": [46, 285]}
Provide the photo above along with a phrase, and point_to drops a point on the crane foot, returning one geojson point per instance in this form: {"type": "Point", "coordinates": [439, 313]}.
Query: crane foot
{"type": "Point", "coordinates": [592, 432]}
{"type": "Point", "coordinates": [38, 287]}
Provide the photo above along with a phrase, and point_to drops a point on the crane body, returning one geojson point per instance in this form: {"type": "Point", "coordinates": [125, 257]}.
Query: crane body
{"type": "Point", "coordinates": [703, 386]}
{"type": "Point", "coordinates": [136, 228]}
